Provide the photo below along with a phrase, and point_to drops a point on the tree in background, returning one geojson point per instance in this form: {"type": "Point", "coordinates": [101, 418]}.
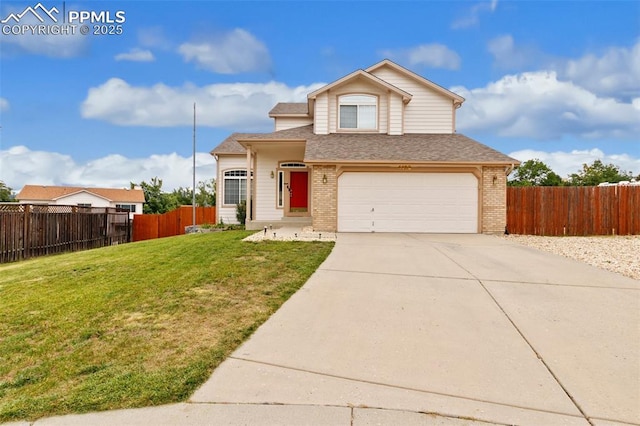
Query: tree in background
{"type": "Point", "coordinates": [597, 173]}
{"type": "Point", "coordinates": [206, 195]}
{"type": "Point", "coordinates": [535, 173]}
{"type": "Point", "coordinates": [158, 201]}
{"type": "Point", "coordinates": [6, 193]}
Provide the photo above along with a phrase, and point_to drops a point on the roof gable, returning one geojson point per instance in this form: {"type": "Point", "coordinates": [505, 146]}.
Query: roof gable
{"type": "Point", "coordinates": [428, 83]}
{"type": "Point", "coordinates": [81, 191]}
{"type": "Point", "coordinates": [406, 97]}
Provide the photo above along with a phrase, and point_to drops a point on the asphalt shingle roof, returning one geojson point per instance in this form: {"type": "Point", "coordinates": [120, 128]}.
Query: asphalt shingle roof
{"type": "Point", "coordinates": [50, 193]}
{"type": "Point", "coordinates": [377, 147]}
{"type": "Point", "coordinates": [285, 108]}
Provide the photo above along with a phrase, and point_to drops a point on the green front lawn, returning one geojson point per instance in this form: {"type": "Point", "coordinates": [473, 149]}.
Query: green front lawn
{"type": "Point", "coordinates": [137, 324]}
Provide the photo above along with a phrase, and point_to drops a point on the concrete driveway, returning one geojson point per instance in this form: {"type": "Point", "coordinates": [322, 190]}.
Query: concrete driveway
{"type": "Point", "coordinates": [433, 329]}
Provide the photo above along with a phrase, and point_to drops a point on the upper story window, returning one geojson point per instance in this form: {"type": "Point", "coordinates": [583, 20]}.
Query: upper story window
{"type": "Point", "coordinates": [358, 112]}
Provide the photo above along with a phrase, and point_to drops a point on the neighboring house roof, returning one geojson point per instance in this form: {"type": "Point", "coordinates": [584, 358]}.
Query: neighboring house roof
{"type": "Point", "coordinates": [386, 62]}
{"type": "Point", "coordinates": [376, 147]}
{"type": "Point", "coordinates": [52, 193]}
{"type": "Point", "coordinates": [289, 109]}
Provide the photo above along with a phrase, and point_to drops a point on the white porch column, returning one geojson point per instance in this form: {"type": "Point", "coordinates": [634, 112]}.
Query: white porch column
{"type": "Point", "coordinates": [249, 184]}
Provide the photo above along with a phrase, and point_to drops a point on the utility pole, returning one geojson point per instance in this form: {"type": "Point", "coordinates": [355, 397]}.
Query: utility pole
{"type": "Point", "coordinates": [193, 200]}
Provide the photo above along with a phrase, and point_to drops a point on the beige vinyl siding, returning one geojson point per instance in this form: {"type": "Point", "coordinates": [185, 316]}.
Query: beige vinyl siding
{"type": "Point", "coordinates": [358, 87]}
{"type": "Point", "coordinates": [227, 214]}
{"type": "Point", "coordinates": [265, 187]}
{"type": "Point", "coordinates": [284, 123]}
{"type": "Point", "coordinates": [395, 114]}
{"type": "Point", "coordinates": [321, 123]}
{"type": "Point", "coordinates": [383, 113]}
{"type": "Point", "coordinates": [428, 111]}
{"type": "Point", "coordinates": [333, 113]}
{"type": "Point", "coordinates": [265, 194]}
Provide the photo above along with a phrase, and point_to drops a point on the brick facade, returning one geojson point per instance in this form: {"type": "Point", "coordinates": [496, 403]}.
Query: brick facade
{"type": "Point", "coordinates": [494, 200]}
{"type": "Point", "coordinates": [324, 198]}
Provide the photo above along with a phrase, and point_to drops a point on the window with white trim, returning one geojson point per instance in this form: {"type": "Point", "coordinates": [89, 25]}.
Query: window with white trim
{"type": "Point", "coordinates": [235, 186]}
{"type": "Point", "coordinates": [127, 207]}
{"type": "Point", "coordinates": [293, 165]}
{"type": "Point", "coordinates": [280, 203]}
{"type": "Point", "coordinates": [358, 112]}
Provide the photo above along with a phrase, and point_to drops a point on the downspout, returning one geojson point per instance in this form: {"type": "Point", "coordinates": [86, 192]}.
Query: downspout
{"type": "Point", "coordinates": [509, 169]}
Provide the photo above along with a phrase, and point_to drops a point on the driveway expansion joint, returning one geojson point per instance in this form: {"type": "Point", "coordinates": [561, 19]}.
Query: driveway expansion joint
{"type": "Point", "coordinates": [504, 312]}
{"type": "Point", "coordinates": [404, 388]}
{"type": "Point", "coordinates": [397, 274]}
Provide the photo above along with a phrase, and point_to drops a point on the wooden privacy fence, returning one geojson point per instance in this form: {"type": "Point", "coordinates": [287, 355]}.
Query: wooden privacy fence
{"type": "Point", "coordinates": [150, 226]}
{"type": "Point", "coordinates": [574, 210]}
{"type": "Point", "coordinates": [30, 230]}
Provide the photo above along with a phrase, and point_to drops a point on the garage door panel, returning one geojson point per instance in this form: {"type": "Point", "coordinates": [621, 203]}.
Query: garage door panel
{"type": "Point", "coordinates": [407, 202]}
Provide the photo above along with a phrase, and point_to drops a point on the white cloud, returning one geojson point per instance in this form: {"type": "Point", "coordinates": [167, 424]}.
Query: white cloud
{"type": "Point", "coordinates": [433, 55]}
{"type": "Point", "coordinates": [566, 163]}
{"type": "Point", "coordinates": [21, 166]}
{"type": "Point", "coordinates": [4, 105]}
{"type": "Point", "coordinates": [509, 56]}
{"type": "Point", "coordinates": [538, 105]}
{"type": "Point", "coordinates": [136, 55]}
{"type": "Point", "coordinates": [52, 45]}
{"type": "Point", "coordinates": [234, 52]}
{"type": "Point", "coordinates": [615, 73]}
{"type": "Point", "coordinates": [472, 16]}
{"type": "Point", "coordinates": [153, 37]}
{"type": "Point", "coordinates": [241, 106]}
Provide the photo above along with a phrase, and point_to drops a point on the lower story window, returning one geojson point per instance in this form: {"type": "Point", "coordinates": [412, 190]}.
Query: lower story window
{"type": "Point", "coordinates": [235, 186]}
{"type": "Point", "coordinates": [127, 207]}
{"type": "Point", "coordinates": [280, 189]}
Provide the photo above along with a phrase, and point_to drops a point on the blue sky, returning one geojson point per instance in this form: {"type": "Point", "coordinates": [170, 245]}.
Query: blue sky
{"type": "Point", "coordinates": [558, 81]}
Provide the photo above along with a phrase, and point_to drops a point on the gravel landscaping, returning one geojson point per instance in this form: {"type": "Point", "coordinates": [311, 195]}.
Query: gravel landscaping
{"type": "Point", "coordinates": [620, 254]}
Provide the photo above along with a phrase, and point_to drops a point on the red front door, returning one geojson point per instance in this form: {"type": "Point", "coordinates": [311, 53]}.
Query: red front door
{"type": "Point", "coordinates": [299, 191]}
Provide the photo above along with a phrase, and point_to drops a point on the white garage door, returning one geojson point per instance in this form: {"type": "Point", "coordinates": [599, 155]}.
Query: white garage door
{"type": "Point", "coordinates": [408, 202]}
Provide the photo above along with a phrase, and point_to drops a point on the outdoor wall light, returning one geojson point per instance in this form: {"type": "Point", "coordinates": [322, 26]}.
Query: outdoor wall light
{"type": "Point", "coordinates": [495, 179]}
{"type": "Point", "coordinates": [324, 178]}
{"type": "Point", "coordinates": [272, 174]}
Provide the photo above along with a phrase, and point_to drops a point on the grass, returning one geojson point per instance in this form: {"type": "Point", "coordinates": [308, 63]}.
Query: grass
{"type": "Point", "coordinates": [137, 324]}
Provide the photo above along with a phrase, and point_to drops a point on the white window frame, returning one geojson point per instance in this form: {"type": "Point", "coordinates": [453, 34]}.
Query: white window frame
{"type": "Point", "coordinates": [234, 174]}
{"type": "Point", "coordinates": [361, 102]}
{"type": "Point", "coordinates": [131, 208]}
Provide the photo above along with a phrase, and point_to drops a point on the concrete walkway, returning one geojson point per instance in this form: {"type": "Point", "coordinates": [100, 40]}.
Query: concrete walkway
{"type": "Point", "coordinates": [430, 330]}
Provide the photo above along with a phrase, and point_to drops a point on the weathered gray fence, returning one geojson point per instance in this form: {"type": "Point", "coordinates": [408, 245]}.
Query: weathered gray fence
{"type": "Point", "coordinates": [30, 230]}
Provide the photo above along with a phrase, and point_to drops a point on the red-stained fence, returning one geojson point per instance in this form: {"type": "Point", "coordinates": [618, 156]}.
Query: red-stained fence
{"type": "Point", "coordinates": [150, 226]}
{"type": "Point", "coordinates": [574, 210]}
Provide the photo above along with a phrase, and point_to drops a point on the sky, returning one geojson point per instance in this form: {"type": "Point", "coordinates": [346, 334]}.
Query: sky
{"type": "Point", "coordinates": [554, 80]}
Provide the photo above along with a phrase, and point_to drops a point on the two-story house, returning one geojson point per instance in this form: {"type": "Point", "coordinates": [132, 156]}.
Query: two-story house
{"type": "Point", "coordinates": [375, 151]}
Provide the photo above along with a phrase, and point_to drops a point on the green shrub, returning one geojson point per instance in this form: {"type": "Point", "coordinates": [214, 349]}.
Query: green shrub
{"type": "Point", "coordinates": [241, 212]}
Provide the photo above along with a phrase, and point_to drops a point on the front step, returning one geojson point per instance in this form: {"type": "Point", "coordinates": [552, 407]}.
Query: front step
{"type": "Point", "coordinates": [275, 224]}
